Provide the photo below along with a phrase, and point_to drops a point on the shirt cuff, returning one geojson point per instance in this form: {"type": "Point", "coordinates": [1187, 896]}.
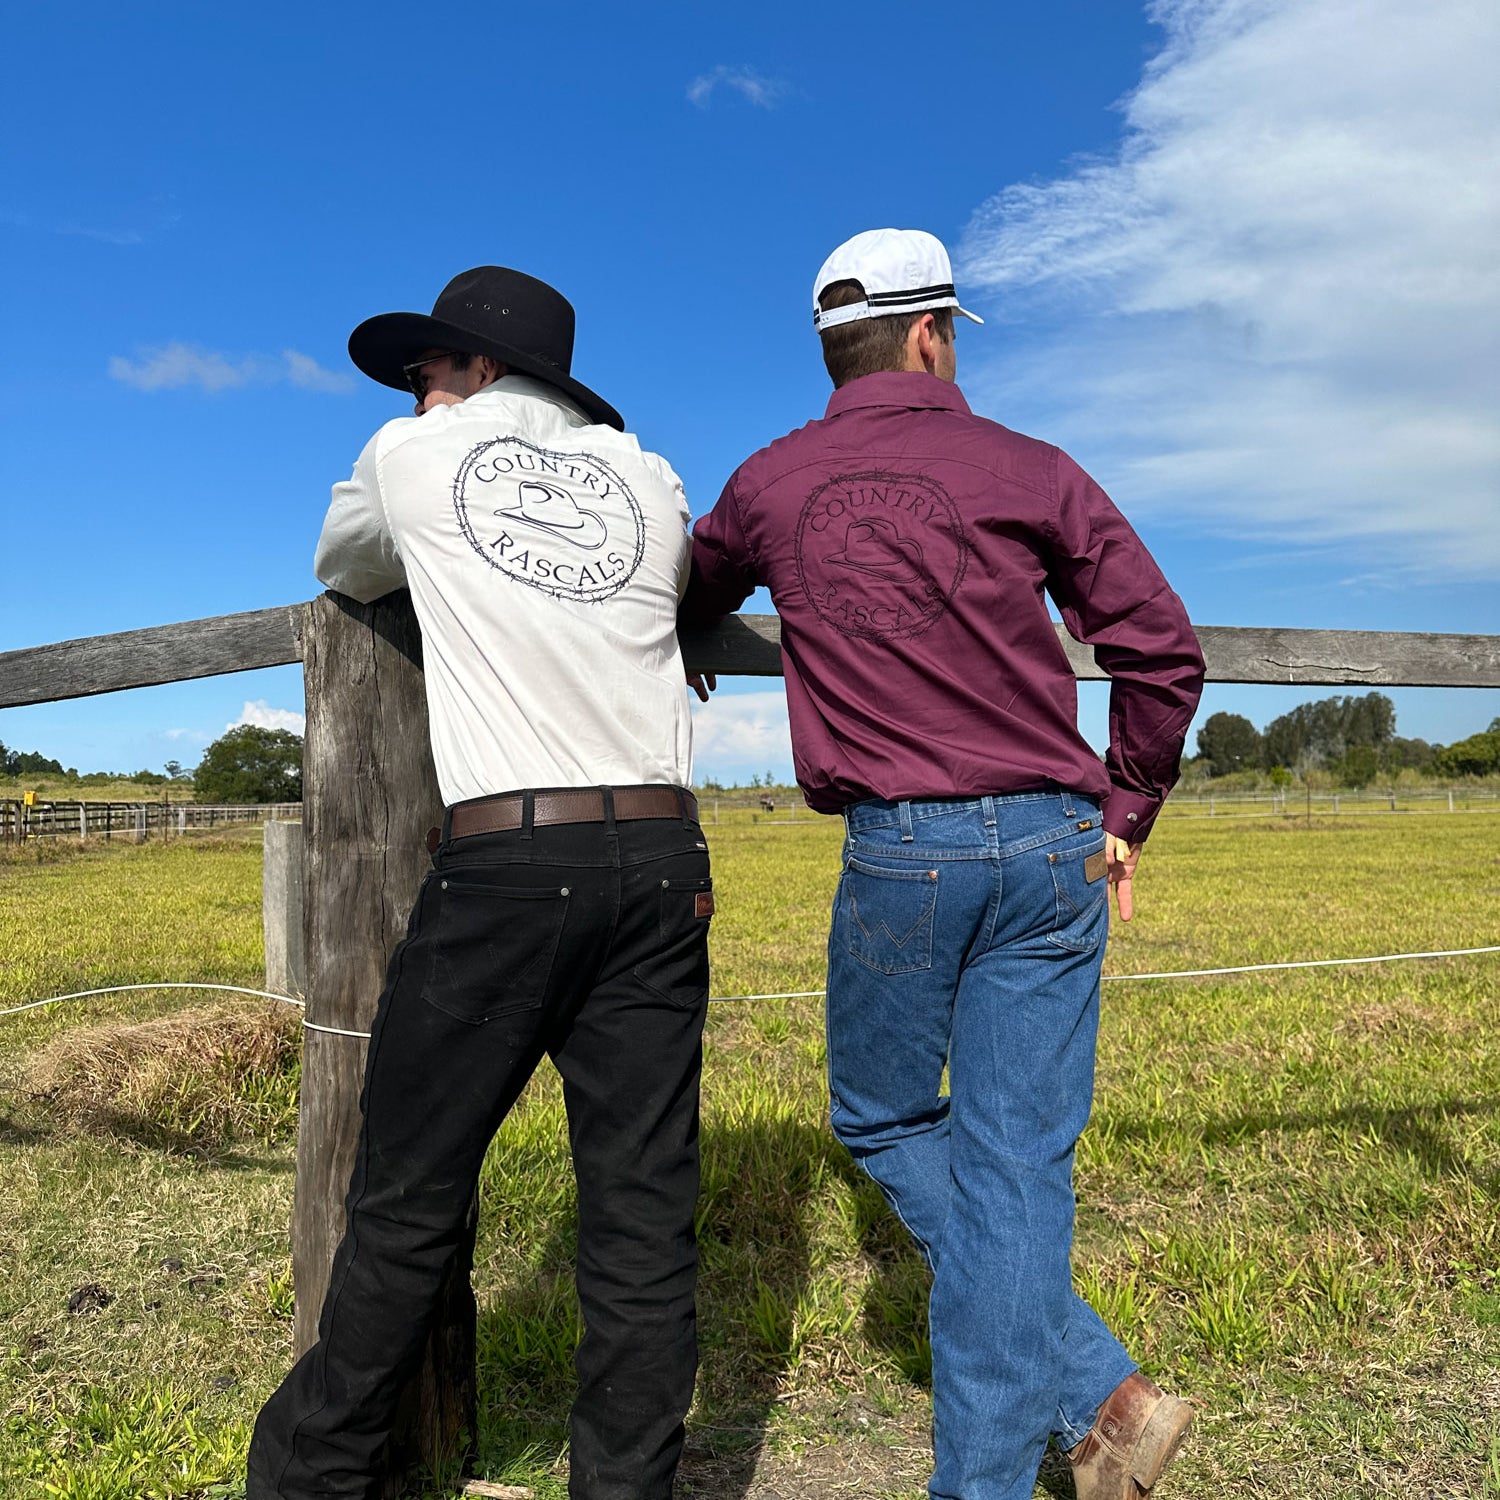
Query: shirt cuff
{"type": "Point", "coordinates": [1129, 815]}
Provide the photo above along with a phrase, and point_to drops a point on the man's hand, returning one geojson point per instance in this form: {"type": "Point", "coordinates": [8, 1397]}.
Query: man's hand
{"type": "Point", "coordinates": [1121, 858]}
{"type": "Point", "coordinates": [702, 683]}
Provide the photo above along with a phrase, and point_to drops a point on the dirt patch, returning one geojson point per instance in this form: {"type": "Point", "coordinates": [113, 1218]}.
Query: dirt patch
{"type": "Point", "coordinates": [1403, 1018]}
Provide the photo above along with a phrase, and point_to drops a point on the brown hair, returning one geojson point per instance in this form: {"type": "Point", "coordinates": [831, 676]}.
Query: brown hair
{"type": "Point", "coordinates": [868, 345]}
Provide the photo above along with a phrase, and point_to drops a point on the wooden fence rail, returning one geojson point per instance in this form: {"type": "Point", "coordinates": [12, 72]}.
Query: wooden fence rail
{"type": "Point", "coordinates": [747, 645]}
{"type": "Point", "coordinates": [369, 792]}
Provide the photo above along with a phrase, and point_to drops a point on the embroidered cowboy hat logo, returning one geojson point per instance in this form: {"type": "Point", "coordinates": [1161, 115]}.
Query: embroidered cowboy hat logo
{"type": "Point", "coordinates": [554, 510]}
{"type": "Point", "coordinates": [881, 554]}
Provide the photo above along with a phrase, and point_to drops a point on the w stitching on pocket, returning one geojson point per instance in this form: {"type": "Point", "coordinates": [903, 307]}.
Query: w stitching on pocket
{"type": "Point", "coordinates": [890, 929]}
{"type": "Point", "coordinates": [1080, 903]}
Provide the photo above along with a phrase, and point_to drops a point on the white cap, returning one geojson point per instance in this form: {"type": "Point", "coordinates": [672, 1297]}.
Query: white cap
{"type": "Point", "coordinates": [901, 270]}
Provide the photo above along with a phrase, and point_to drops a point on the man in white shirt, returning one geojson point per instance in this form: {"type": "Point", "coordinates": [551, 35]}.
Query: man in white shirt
{"type": "Point", "coordinates": [569, 905]}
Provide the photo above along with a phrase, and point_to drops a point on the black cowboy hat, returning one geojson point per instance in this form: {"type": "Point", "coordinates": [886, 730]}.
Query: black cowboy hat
{"type": "Point", "coordinates": [512, 317]}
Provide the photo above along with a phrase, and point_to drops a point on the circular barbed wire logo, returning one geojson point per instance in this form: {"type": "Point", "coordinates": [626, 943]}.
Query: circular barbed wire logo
{"type": "Point", "coordinates": [564, 523]}
{"type": "Point", "coordinates": [880, 554]}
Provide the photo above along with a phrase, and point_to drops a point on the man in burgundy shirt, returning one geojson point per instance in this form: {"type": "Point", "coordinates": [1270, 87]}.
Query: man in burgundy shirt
{"type": "Point", "coordinates": [910, 548]}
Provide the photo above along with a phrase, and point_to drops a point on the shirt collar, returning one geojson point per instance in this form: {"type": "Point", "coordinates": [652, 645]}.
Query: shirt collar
{"type": "Point", "coordinates": [914, 389]}
{"type": "Point", "coordinates": [527, 385]}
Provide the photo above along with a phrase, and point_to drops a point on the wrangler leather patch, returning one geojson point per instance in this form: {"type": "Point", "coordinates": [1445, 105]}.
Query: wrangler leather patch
{"type": "Point", "coordinates": [1095, 867]}
{"type": "Point", "coordinates": [703, 904]}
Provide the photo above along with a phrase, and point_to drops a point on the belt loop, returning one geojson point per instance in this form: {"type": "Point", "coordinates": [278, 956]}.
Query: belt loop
{"type": "Point", "coordinates": [1069, 811]}
{"type": "Point", "coordinates": [528, 812]}
{"type": "Point", "coordinates": [904, 808]}
{"type": "Point", "coordinates": [607, 794]}
{"type": "Point", "coordinates": [988, 803]}
{"type": "Point", "coordinates": [682, 807]}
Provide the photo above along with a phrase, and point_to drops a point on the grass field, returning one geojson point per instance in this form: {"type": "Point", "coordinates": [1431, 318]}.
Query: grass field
{"type": "Point", "coordinates": [116, 789]}
{"type": "Point", "coordinates": [1287, 1196]}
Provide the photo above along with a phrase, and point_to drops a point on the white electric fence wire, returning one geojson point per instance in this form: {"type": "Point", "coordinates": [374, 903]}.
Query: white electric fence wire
{"type": "Point", "coordinates": [1309, 963]}
{"type": "Point", "coordinates": [121, 989]}
{"type": "Point", "coordinates": [231, 989]}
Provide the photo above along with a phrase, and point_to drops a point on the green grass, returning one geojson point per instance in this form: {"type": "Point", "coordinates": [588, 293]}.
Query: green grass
{"type": "Point", "coordinates": [1287, 1195]}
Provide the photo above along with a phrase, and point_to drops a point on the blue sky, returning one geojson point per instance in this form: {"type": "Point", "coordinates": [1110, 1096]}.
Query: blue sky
{"type": "Point", "coordinates": [1235, 255]}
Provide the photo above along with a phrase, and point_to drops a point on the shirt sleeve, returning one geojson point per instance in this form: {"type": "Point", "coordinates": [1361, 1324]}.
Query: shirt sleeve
{"type": "Point", "coordinates": [724, 572]}
{"type": "Point", "coordinates": [679, 494]}
{"type": "Point", "coordinates": [357, 554]}
{"type": "Point", "coordinates": [1114, 598]}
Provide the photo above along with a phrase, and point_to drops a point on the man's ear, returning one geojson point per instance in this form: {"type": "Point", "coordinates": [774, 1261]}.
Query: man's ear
{"type": "Point", "coordinates": [492, 368]}
{"type": "Point", "coordinates": [922, 343]}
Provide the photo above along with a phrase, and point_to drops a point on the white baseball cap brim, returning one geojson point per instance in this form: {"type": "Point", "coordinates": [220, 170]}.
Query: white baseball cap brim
{"type": "Point", "coordinates": [903, 271]}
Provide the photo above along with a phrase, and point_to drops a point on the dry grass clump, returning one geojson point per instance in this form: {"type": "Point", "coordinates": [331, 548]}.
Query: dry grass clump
{"type": "Point", "coordinates": [192, 1081]}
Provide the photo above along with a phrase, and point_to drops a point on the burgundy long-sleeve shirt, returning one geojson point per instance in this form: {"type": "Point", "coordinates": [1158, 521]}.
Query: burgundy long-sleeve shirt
{"type": "Point", "coordinates": [908, 546]}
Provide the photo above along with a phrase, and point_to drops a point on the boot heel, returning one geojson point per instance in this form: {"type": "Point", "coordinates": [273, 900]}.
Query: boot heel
{"type": "Point", "coordinates": [1159, 1441]}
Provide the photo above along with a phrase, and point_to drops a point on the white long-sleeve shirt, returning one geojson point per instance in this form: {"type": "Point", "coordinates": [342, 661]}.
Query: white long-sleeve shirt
{"type": "Point", "coordinates": [545, 558]}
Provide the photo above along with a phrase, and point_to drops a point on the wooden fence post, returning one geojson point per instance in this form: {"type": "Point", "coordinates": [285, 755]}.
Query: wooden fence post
{"type": "Point", "coordinates": [369, 797]}
{"type": "Point", "coordinates": [282, 908]}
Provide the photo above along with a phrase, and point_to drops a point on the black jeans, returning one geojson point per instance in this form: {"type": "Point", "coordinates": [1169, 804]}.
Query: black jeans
{"type": "Point", "coordinates": [588, 942]}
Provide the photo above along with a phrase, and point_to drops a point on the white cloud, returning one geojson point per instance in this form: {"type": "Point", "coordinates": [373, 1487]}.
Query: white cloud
{"type": "Point", "coordinates": [263, 716]}
{"type": "Point", "coordinates": [191, 736]}
{"type": "Point", "coordinates": [304, 371]}
{"type": "Point", "coordinates": [172, 366]}
{"type": "Point", "coordinates": [176, 365]}
{"type": "Point", "coordinates": [738, 734]}
{"type": "Point", "coordinates": [1275, 310]}
{"type": "Point", "coordinates": [755, 88]}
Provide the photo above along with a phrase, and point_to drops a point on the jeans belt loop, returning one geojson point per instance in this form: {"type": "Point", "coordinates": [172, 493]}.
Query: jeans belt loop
{"type": "Point", "coordinates": [682, 803]}
{"type": "Point", "coordinates": [1069, 811]}
{"type": "Point", "coordinates": [611, 830]}
{"type": "Point", "coordinates": [990, 816]}
{"type": "Point", "coordinates": [528, 813]}
{"type": "Point", "coordinates": [904, 808]}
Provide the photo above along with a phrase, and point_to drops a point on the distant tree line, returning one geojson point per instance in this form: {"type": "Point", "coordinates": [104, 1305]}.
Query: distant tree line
{"type": "Point", "coordinates": [245, 764]}
{"type": "Point", "coordinates": [1352, 738]}
{"type": "Point", "coordinates": [29, 763]}
{"type": "Point", "coordinates": [17, 763]}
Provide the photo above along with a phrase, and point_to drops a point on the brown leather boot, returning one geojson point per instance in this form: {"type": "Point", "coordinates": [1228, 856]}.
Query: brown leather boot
{"type": "Point", "coordinates": [1134, 1438]}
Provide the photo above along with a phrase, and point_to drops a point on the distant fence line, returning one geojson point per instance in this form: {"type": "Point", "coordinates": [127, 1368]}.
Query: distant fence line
{"type": "Point", "coordinates": [780, 805]}
{"type": "Point", "coordinates": [142, 820]}
{"type": "Point", "coordinates": [129, 820]}
{"type": "Point", "coordinates": [1296, 802]}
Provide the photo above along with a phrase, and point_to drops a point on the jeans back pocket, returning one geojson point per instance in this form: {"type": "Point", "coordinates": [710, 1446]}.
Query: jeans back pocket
{"type": "Point", "coordinates": [1082, 918]}
{"type": "Point", "coordinates": [678, 969]}
{"type": "Point", "coordinates": [891, 916]}
{"type": "Point", "coordinates": [493, 948]}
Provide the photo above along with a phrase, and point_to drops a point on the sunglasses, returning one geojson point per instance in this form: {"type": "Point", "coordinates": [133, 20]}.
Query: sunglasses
{"type": "Point", "coordinates": [415, 380]}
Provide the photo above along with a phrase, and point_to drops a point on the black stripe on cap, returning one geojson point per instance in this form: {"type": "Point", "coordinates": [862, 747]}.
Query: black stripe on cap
{"type": "Point", "coordinates": [921, 294]}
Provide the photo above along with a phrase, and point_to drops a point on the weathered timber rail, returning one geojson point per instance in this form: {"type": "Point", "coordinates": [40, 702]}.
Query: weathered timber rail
{"type": "Point", "coordinates": [369, 792]}
{"type": "Point", "coordinates": [747, 645]}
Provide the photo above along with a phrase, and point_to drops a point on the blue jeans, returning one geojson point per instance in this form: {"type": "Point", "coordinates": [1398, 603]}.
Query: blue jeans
{"type": "Point", "coordinates": [968, 932]}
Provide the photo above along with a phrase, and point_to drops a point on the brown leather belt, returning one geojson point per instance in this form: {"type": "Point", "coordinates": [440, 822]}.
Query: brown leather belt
{"type": "Point", "coordinates": [573, 805]}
